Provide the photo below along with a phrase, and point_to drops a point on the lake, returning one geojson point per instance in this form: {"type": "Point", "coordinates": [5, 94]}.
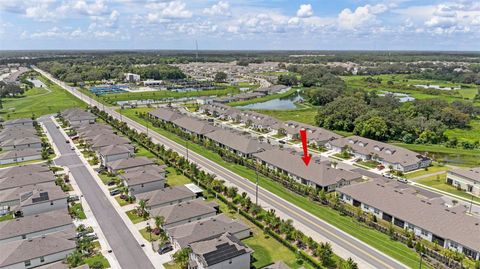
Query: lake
{"type": "Point", "coordinates": [285, 103]}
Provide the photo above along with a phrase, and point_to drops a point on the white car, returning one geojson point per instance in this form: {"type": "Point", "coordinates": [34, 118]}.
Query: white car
{"type": "Point", "coordinates": [403, 180]}
{"type": "Point", "coordinates": [388, 175]}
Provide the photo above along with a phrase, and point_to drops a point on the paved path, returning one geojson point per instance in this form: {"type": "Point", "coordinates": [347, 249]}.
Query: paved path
{"type": "Point", "coordinates": [342, 243]}
{"type": "Point", "coordinates": [127, 250]}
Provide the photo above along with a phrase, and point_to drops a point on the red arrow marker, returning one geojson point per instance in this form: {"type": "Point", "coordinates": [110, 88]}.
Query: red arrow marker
{"type": "Point", "coordinates": [306, 157]}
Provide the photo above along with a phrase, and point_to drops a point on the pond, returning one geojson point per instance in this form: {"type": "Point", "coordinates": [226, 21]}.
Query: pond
{"type": "Point", "coordinates": [285, 103]}
{"type": "Point", "coordinates": [454, 159]}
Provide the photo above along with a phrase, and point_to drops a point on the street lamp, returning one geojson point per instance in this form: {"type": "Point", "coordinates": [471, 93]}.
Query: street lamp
{"type": "Point", "coordinates": [421, 258]}
{"type": "Point", "coordinates": [186, 147]}
{"type": "Point", "coordinates": [256, 185]}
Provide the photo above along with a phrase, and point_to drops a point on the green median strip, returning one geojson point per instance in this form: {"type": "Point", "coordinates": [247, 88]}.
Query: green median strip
{"type": "Point", "coordinates": [378, 240]}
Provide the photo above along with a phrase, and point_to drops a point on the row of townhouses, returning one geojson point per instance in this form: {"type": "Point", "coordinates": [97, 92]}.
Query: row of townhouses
{"type": "Point", "coordinates": [465, 179]}
{"type": "Point", "coordinates": [319, 174]}
{"type": "Point", "coordinates": [424, 213]}
{"type": "Point", "coordinates": [41, 233]}
{"type": "Point", "coordinates": [19, 141]}
{"type": "Point", "coordinates": [260, 92]}
{"type": "Point", "coordinates": [189, 220]}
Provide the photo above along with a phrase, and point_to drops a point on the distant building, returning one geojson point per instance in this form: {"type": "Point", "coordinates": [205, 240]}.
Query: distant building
{"type": "Point", "coordinates": [131, 77]}
{"type": "Point", "coordinates": [152, 83]}
{"type": "Point", "coordinates": [465, 179]}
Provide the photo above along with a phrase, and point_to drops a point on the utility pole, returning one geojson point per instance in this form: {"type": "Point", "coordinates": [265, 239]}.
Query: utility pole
{"type": "Point", "coordinates": [256, 185]}
{"type": "Point", "coordinates": [186, 146]}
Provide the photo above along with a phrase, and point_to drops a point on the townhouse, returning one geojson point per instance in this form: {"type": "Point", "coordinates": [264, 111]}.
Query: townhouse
{"type": "Point", "coordinates": [257, 121]}
{"type": "Point", "coordinates": [165, 114]}
{"type": "Point", "coordinates": [144, 179]}
{"type": "Point", "coordinates": [237, 143]}
{"type": "Point", "coordinates": [212, 227]}
{"type": "Point", "coordinates": [319, 174]}
{"type": "Point", "coordinates": [130, 163]}
{"type": "Point", "coordinates": [315, 135]}
{"type": "Point", "coordinates": [78, 116]}
{"type": "Point", "coordinates": [185, 212]}
{"type": "Point", "coordinates": [18, 122]}
{"type": "Point", "coordinates": [24, 169]}
{"type": "Point", "coordinates": [20, 155]}
{"type": "Point", "coordinates": [34, 252]}
{"type": "Point", "coordinates": [115, 152]}
{"type": "Point", "coordinates": [21, 143]}
{"type": "Point", "coordinates": [35, 225]}
{"type": "Point", "coordinates": [400, 159]}
{"type": "Point", "coordinates": [225, 251]}
{"type": "Point", "coordinates": [13, 180]}
{"type": "Point", "coordinates": [465, 179]}
{"type": "Point", "coordinates": [194, 126]}
{"type": "Point", "coordinates": [220, 111]}
{"type": "Point", "coordinates": [106, 140]}
{"type": "Point", "coordinates": [448, 226]}
{"type": "Point", "coordinates": [167, 196]}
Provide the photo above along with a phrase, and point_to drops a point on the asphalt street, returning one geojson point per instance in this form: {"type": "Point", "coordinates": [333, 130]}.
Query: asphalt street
{"type": "Point", "coordinates": [125, 247]}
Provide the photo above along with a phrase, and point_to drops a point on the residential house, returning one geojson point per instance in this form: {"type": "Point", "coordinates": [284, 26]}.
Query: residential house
{"type": "Point", "coordinates": [144, 179]}
{"type": "Point", "coordinates": [167, 196]}
{"type": "Point", "coordinates": [259, 121]}
{"type": "Point", "coordinates": [185, 212]}
{"type": "Point", "coordinates": [241, 145]}
{"type": "Point", "coordinates": [221, 111]}
{"type": "Point", "coordinates": [225, 251]}
{"type": "Point", "coordinates": [18, 122]}
{"type": "Point", "coordinates": [24, 169]}
{"type": "Point", "coordinates": [406, 207]}
{"type": "Point", "coordinates": [35, 252]}
{"type": "Point", "coordinates": [35, 225]}
{"type": "Point", "coordinates": [400, 159]}
{"type": "Point", "coordinates": [41, 199]}
{"type": "Point", "coordinates": [194, 126]}
{"type": "Point", "coordinates": [78, 116]}
{"type": "Point", "coordinates": [185, 234]}
{"type": "Point", "coordinates": [12, 198]}
{"type": "Point", "coordinates": [18, 180]}
{"type": "Point", "coordinates": [165, 114]}
{"type": "Point", "coordinates": [466, 179]}
{"type": "Point", "coordinates": [20, 155]}
{"type": "Point", "coordinates": [15, 132]}
{"type": "Point", "coordinates": [315, 135]}
{"type": "Point", "coordinates": [115, 152]}
{"type": "Point", "coordinates": [21, 143]}
{"type": "Point", "coordinates": [125, 164]}
{"type": "Point", "coordinates": [101, 141]}
{"type": "Point", "coordinates": [319, 174]}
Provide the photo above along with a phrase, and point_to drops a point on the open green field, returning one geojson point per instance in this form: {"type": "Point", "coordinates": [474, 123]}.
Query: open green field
{"type": "Point", "coordinates": [39, 102]}
{"type": "Point", "coordinates": [349, 225]}
{"type": "Point", "coordinates": [401, 84]}
{"type": "Point", "coordinates": [264, 98]}
{"type": "Point", "coordinates": [438, 182]}
{"type": "Point", "coordinates": [158, 95]}
{"type": "Point", "coordinates": [97, 258]}
{"type": "Point", "coordinates": [471, 134]}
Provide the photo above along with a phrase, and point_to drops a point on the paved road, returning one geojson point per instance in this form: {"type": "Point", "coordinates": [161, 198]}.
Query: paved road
{"type": "Point", "coordinates": [126, 249]}
{"type": "Point", "coordinates": [366, 255]}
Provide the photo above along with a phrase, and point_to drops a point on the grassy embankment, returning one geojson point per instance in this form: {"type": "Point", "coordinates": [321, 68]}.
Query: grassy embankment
{"type": "Point", "coordinates": [38, 102]}
{"type": "Point", "coordinates": [372, 237]}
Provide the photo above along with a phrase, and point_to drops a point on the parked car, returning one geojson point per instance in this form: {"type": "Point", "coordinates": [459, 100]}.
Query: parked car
{"type": "Point", "coordinates": [165, 249]}
{"type": "Point", "coordinates": [403, 180]}
{"type": "Point", "coordinates": [115, 192]}
{"type": "Point", "coordinates": [73, 198]}
{"type": "Point", "coordinates": [92, 236]}
{"type": "Point", "coordinates": [67, 141]}
{"type": "Point", "coordinates": [388, 175]}
{"type": "Point", "coordinates": [72, 148]}
{"type": "Point", "coordinates": [111, 183]}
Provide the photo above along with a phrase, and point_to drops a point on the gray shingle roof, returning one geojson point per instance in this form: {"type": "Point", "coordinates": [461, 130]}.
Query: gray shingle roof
{"type": "Point", "coordinates": [320, 173]}
{"type": "Point", "coordinates": [313, 133]}
{"type": "Point", "coordinates": [165, 114]}
{"type": "Point", "coordinates": [23, 121]}
{"type": "Point", "coordinates": [18, 180]}
{"type": "Point", "coordinates": [24, 169]}
{"type": "Point", "coordinates": [146, 174]}
{"type": "Point", "coordinates": [116, 149]}
{"type": "Point", "coordinates": [20, 153]}
{"type": "Point", "coordinates": [125, 164]}
{"type": "Point", "coordinates": [18, 141]}
{"type": "Point", "coordinates": [34, 223]}
{"type": "Point", "coordinates": [472, 173]}
{"type": "Point", "coordinates": [212, 227]}
{"type": "Point", "coordinates": [183, 211]}
{"type": "Point", "coordinates": [399, 200]}
{"type": "Point", "coordinates": [236, 141]}
{"type": "Point", "coordinates": [166, 195]}
{"type": "Point", "coordinates": [223, 248]}
{"type": "Point", "coordinates": [107, 140]}
{"type": "Point", "coordinates": [22, 250]}
{"type": "Point", "coordinates": [194, 125]}
{"type": "Point", "coordinates": [13, 194]}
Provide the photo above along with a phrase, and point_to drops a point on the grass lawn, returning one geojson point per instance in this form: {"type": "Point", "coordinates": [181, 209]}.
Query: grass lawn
{"type": "Point", "coordinates": [369, 163]}
{"type": "Point", "coordinates": [78, 208]}
{"type": "Point", "coordinates": [158, 95]}
{"type": "Point", "coordinates": [134, 217]}
{"type": "Point", "coordinates": [454, 156]}
{"type": "Point", "coordinates": [97, 258]}
{"type": "Point", "coordinates": [378, 240]}
{"type": "Point", "coordinates": [306, 115]}
{"type": "Point", "coordinates": [146, 235]}
{"type": "Point", "coordinates": [438, 182]}
{"type": "Point", "coordinates": [470, 134]}
{"type": "Point", "coordinates": [105, 178]}
{"type": "Point", "coordinates": [432, 169]}
{"type": "Point", "coordinates": [39, 103]}
{"type": "Point", "coordinates": [21, 163]}
{"type": "Point", "coordinates": [263, 98]}
{"type": "Point", "coordinates": [120, 201]}
{"type": "Point", "coordinates": [175, 179]}
{"type": "Point", "coordinates": [6, 217]}
{"type": "Point", "coordinates": [171, 265]}
{"type": "Point", "coordinates": [142, 152]}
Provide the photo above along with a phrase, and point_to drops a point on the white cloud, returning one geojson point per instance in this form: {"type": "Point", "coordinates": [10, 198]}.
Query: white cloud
{"type": "Point", "coordinates": [96, 8]}
{"type": "Point", "coordinates": [164, 11]}
{"type": "Point", "coordinates": [305, 11]}
{"type": "Point", "coordinates": [110, 21]}
{"type": "Point", "coordinates": [220, 8]}
{"type": "Point", "coordinates": [362, 16]}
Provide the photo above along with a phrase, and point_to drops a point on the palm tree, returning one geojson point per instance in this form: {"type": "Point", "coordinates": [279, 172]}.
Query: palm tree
{"type": "Point", "coordinates": [181, 257]}
{"type": "Point", "coordinates": [142, 208]}
{"type": "Point", "coordinates": [350, 264]}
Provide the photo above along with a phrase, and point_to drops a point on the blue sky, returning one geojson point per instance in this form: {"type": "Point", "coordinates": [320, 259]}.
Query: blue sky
{"type": "Point", "coordinates": [235, 24]}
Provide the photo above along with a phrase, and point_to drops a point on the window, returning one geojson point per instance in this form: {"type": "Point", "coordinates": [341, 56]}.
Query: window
{"type": "Point", "coordinates": [42, 259]}
{"type": "Point", "coordinates": [376, 211]}
{"type": "Point", "coordinates": [453, 244]}
{"type": "Point", "coordinates": [347, 198]}
{"type": "Point", "coordinates": [51, 202]}
{"type": "Point", "coordinates": [366, 207]}
{"type": "Point", "coordinates": [24, 236]}
{"type": "Point", "coordinates": [423, 232]}
{"type": "Point", "coordinates": [230, 261]}
{"type": "Point", "coordinates": [27, 263]}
